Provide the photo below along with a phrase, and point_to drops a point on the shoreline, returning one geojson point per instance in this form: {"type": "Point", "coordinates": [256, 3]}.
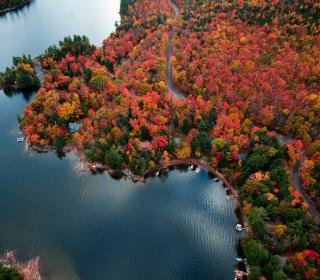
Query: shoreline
{"type": "Point", "coordinates": [29, 270]}
{"type": "Point", "coordinates": [2, 12]}
{"type": "Point", "coordinates": [81, 165]}
{"type": "Point", "coordinates": [125, 173]}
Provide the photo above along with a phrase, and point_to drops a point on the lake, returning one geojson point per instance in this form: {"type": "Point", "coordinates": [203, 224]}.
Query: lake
{"type": "Point", "coordinates": [93, 227]}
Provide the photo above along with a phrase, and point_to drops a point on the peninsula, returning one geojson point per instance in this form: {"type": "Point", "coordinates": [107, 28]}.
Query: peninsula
{"type": "Point", "coordinates": [230, 85]}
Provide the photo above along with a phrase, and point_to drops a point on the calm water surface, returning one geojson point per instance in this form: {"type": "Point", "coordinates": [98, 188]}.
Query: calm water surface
{"type": "Point", "coordinates": [93, 227]}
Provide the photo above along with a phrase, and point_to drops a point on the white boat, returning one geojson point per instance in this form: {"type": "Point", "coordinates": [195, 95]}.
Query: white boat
{"type": "Point", "coordinates": [191, 167]}
{"type": "Point", "coordinates": [197, 170]}
{"type": "Point", "coordinates": [228, 197]}
{"type": "Point", "coordinates": [157, 174]}
{"type": "Point", "coordinates": [239, 259]}
{"type": "Point", "coordinates": [20, 139]}
{"type": "Point", "coordinates": [239, 227]}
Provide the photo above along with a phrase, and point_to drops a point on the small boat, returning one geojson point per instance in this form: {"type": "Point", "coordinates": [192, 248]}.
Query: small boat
{"type": "Point", "coordinates": [20, 139]}
{"type": "Point", "coordinates": [239, 227]}
{"type": "Point", "coordinates": [239, 260]}
{"type": "Point", "coordinates": [197, 170]}
{"type": "Point", "coordinates": [157, 174]}
{"type": "Point", "coordinates": [228, 197]}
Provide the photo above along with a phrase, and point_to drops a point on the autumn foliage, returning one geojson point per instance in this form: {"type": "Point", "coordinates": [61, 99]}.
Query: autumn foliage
{"type": "Point", "coordinates": [248, 69]}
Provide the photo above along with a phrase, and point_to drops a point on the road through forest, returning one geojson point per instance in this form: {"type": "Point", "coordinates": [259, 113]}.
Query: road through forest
{"type": "Point", "coordinates": [296, 179]}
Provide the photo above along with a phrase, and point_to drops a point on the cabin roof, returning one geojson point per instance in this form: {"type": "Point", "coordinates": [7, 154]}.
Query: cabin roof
{"type": "Point", "coordinates": [74, 127]}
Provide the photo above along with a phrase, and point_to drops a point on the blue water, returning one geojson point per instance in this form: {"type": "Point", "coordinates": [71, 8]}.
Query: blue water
{"type": "Point", "coordinates": [93, 227]}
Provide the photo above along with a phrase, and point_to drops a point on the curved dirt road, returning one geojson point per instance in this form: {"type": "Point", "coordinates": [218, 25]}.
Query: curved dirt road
{"type": "Point", "coordinates": [296, 179]}
{"type": "Point", "coordinates": [171, 86]}
{"type": "Point", "coordinates": [297, 182]}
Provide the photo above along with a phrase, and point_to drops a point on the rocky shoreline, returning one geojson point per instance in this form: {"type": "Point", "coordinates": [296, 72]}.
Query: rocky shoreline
{"type": "Point", "coordinates": [83, 165]}
{"type": "Point", "coordinates": [29, 270]}
{"type": "Point", "coordinates": [161, 167]}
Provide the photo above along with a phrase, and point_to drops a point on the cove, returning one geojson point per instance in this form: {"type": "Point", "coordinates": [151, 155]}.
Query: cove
{"type": "Point", "coordinates": [93, 227]}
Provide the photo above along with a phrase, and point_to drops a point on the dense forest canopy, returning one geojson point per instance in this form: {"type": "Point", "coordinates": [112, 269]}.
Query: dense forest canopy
{"type": "Point", "coordinates": [247, 68]}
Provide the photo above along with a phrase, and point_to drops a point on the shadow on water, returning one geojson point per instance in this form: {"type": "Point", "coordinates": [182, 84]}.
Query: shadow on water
{"type": "Point", "coordinates": [60, 154]}
{"type": "Point", "coordinates": [18, 11]}
{"type": "Point", "coordinates": [27, 93]}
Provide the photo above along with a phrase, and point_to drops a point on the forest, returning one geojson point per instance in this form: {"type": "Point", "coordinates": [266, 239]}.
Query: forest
{"type": "Point", "coordinates": [269, 69]}
{"type": "Point", "coordinates": [250, 70]}
{"type": "Point", "coordinates": [9, 274]}
{"type": "Point", "coordinates": [21, 75]}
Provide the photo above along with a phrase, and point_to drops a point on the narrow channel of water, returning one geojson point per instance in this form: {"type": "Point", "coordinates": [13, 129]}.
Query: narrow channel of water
{"type": "Point", "coordinates": [94, 227]}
